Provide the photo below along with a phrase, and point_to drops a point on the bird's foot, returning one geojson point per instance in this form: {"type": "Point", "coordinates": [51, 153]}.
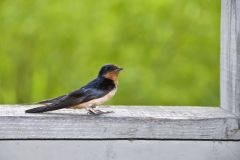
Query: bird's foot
{"type": "Point", "coordinates": [97, 111]}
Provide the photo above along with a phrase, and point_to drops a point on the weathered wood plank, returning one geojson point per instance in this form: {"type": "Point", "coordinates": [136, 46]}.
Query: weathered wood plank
{"type": "Point", "coordinates": [230, 56]}
{"type": "Point", "coordinates": [128, 122]}
{"type": "Point", "coordinates": [119, 150]}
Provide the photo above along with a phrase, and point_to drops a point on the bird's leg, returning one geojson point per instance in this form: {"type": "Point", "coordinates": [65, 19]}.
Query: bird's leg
{"type": "Point", "coordinates": [97, 111]}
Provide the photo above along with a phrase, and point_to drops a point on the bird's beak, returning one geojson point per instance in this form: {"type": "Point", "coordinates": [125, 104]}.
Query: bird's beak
{"type": "Point", "coordinates": [119, 69]}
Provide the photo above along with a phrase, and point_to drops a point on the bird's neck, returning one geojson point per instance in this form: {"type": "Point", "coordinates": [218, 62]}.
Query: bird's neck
{"type": "Point", "coordinates": [114, 79]}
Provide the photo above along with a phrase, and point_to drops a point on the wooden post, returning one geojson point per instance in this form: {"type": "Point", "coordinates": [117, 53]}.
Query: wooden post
{"type": "Point", "coordinates": [230, 56]}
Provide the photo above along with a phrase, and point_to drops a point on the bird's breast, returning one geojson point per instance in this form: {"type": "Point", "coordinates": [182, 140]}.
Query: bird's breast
{"type": "Point", "coordinates": [97, 101]}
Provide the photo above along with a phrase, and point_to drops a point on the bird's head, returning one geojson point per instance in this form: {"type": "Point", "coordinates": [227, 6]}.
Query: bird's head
{"type": "Point", "coordinates": [110, 71]}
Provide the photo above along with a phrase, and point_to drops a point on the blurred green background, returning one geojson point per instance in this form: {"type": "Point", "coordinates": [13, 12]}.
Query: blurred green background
{"type": "Point", "coordinates": [169, 49]}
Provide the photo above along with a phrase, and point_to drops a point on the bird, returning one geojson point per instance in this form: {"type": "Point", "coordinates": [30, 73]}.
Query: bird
{"type": "Point", "coordinates": [94, 93]}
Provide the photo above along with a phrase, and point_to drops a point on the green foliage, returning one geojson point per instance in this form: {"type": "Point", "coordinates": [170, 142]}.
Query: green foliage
{"type": "Point", "coordinates": [169, 49]}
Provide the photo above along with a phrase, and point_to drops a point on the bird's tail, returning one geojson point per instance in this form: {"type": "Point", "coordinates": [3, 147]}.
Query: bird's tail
{"type": "Point", "coordinates": [46, 108]}
{"type": "Point", "coordinates": [38, 109]}
{"type": "Point", "coordinates": [49, 105]}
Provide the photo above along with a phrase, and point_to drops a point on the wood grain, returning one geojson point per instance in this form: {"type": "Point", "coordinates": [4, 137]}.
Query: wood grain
{"type": "Point", "coordinates": [230, 56]}
{"type": "Point", "coordinates": [119, 150]}
{"type": "Point", "coordinates": [128, 122]}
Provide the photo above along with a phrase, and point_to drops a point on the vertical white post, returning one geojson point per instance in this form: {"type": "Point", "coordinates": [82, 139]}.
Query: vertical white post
{"type": "Point", "coordinates": [230, 56]}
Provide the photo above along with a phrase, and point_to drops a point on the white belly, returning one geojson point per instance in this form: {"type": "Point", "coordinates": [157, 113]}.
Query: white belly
{"type": "Point", "coordinates": [96, 102]}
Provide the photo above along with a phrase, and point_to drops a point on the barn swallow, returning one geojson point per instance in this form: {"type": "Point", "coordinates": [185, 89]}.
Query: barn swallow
{"type": "Point", "coordinates": [89, 96]}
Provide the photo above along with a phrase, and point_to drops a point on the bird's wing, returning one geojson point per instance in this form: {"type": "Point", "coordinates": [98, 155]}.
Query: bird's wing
{"type": "Point", "coordinates": [86, 91]}
{"type": "Point", "coordinates": [79, 96]}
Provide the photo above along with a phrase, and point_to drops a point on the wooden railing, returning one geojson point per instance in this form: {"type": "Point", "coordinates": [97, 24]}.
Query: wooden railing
{"type": "Point", "coordinates": [127, 122]}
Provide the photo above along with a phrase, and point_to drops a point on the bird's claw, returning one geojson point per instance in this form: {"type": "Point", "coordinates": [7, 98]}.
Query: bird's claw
{"type": "Point", "coordinates": [98, 112]}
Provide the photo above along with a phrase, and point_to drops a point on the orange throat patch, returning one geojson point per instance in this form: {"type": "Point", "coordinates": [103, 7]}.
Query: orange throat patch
{"type": "Point", "coordinates": [113, 76]}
